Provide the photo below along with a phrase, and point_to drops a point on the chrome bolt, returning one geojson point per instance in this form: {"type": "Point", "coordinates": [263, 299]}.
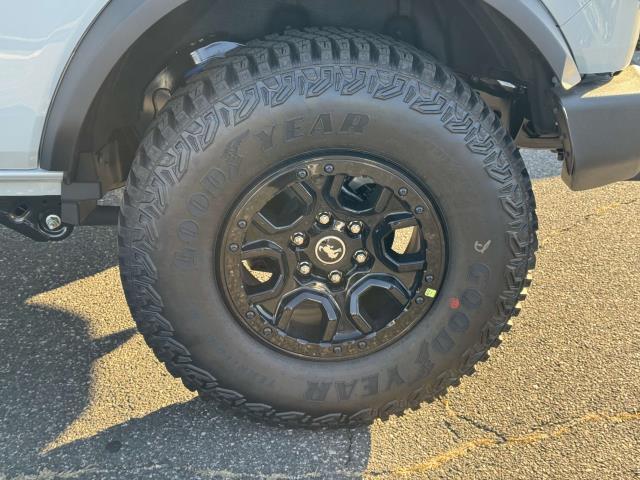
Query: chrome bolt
{"type": "Point", "coordinates": [298, 239]}
{"type": "Point", "coordinates": [242, 224]}
{"type": "Point", "coordinates": [53, 222]}
{"type": "Point", "coordinates": [362, 345]}
{"type": "Point", "coordinates": [420, 300]}
{"type": "Point", "coordinates": [355, 228]}
{"type": "Point", "coordinates": [304, 268]}
{"type": "Point", "coordinates": [337, 350]}
{"type": "Point", "coordinates": [328, 168]}
{"type": "Point", "coordinates": [403, 192]}
{"type": "Point", "coordinates": [360, 256]}
{"type": "Point", "coordinates": [419, 210]}
{"type": "Point", "coordinates": [324, 218]}
{"type": "Point", "coordinates": [234, 247]}
{"type": "Point", "coordinates": [428, 278]}
{"type": "Point", "coordinates": [335, 277]}
{"type": "Point", "coordinates": [250, 315]}
{"type": "Point", "coordinates": [302, 174]}
{"type": "Point", "coordinates": [267, 332]}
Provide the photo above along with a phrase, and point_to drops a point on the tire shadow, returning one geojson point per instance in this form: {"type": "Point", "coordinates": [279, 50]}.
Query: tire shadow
{"type": "Point", "coordinates": [46, 354]}
{"type": "Point", "coordinates": [199, 440]}
{"type": "Point", "coordinates": [46, 383]}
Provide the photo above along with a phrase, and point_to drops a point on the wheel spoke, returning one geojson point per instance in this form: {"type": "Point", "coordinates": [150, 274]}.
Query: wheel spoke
{"type": "Point", "coordinates": [330, 330]}
{"type": "Point", "coordinates": [305, 300]}
{"type": "Point", "coordinates": [360, 323]}
{"type": "Point", "coordinates": [305, 193]}
{"type": "Point", "coordinates": [400, 220]}
{"type": "Point", "coordinates": [412, 263]}
{"type": "Point", "coordinates": [335, 188]}
{"type": "Point", "coordinates": [383, 200]}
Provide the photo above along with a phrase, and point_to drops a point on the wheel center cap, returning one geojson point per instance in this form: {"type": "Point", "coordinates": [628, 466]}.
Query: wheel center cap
{"type": "Point", "coordinates": [330, 250]}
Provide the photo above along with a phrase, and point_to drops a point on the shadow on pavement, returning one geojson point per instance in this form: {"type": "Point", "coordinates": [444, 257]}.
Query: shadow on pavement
{"type": "Point", "coordinates": [47, 382]}
{"type": "Point", "coordinates": [198, 440]}
{"type": "Point", "coordinates": [541, 163]}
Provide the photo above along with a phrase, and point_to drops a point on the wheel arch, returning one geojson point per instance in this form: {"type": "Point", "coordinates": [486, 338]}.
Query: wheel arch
{"type": "Point", "coordinates": [94, 122]}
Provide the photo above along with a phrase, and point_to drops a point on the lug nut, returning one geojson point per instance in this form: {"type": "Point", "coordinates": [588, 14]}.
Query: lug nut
{"type": "Point", "coordinates": [360, 256]}
{"type": "Point", "coordinates": [324, 218]}
{"type": "Point", "coordinates": [53, 222]}
{"type": "Point", "coordinates": [304, 268]}
{"type": "Point", "coordinates": [298, 239]}
{"type": "Point", "coordinates": [355, 228]}
{"type": "Point", "coordinates": [335, 277]}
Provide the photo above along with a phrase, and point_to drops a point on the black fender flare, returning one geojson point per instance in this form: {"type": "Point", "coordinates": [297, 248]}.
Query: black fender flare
{"type": "Point", "coordinates": [115, 29]}
{"type": "Point", "coordinates": [122, 22]}
{"type": "Point", "coordinates": [536, 23]}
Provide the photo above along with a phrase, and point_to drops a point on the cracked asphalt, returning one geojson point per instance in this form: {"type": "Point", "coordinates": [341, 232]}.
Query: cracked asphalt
{"type": "Point", "coordinates": [82, 397]}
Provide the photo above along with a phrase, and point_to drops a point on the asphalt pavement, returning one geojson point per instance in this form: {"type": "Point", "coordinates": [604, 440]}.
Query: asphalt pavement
{"type": "Point", "coordinates": [81, 396]}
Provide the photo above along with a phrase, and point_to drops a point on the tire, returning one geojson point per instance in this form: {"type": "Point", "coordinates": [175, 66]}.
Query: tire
{"type": "Point", "coordinates": [258, 110]}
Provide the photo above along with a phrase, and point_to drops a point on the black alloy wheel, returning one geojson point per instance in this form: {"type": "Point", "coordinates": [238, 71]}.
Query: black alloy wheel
{"type": "Point", "coordinates": [340, 255]}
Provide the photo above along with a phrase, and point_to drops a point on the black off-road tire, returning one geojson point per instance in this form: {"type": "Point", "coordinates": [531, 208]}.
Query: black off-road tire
{"type": "Point", "coordinates": [256, 109]}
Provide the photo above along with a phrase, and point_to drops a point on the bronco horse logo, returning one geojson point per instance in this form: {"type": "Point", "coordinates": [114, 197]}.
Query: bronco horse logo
{"type": "Point", "coordinates": [330, 250]}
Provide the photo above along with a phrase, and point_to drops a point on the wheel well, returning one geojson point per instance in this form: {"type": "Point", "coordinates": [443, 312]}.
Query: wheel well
{"type": "Point", "coordinates": [468, 36]}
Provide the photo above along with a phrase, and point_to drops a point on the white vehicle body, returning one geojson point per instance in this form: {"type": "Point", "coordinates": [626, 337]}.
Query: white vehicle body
{"type": "Point", "coordinates": [38, 38]}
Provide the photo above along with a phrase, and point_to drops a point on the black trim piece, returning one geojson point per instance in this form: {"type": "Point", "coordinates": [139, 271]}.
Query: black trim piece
{"type": "Point", "coordinates": [102, 215]}
{"type": "Point", "coordinates": [601, 120]}
{"type": "Point", "coordinates": [81, 191]}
